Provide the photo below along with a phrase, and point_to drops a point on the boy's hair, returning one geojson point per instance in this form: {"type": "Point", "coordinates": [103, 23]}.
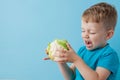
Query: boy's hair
{"type": "Point", "coordinates": [101, 12]}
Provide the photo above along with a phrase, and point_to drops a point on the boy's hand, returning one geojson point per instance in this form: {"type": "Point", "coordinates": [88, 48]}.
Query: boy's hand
{"type": "Point", "coordinates": [46, 58]}
{"type": "Point", "coordinates": [64, 56]}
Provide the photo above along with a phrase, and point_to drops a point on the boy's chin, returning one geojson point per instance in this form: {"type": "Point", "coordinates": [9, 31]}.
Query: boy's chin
{"type": "Point", "coordinates": [90, 48]}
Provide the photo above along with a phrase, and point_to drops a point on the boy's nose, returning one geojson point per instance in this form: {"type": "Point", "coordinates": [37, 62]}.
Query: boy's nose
{"type": "Point", "coordinates": [86, 35]}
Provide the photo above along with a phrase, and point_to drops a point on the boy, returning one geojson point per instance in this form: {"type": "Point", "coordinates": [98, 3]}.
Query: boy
{"type": "Point", "coordinates": [96, 60]}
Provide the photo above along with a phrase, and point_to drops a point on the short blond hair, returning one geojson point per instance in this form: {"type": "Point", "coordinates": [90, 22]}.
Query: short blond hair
{"type": "Point", "coordinates": [101, 12]}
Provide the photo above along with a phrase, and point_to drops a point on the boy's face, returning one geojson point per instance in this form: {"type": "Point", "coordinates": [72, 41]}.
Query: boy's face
{"type": "Point", "coordinates": [94, 35]}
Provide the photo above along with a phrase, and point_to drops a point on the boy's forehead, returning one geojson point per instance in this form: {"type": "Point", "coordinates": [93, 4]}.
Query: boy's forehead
{"type": "Point", "coordinates": [91, 24]}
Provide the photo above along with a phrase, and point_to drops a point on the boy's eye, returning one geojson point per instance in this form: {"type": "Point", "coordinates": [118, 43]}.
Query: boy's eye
{"type": "Point", "coordinates": [92, 33]}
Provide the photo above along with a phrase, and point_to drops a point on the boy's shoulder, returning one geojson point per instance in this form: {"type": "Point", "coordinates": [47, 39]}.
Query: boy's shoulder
{"type": "Point", "coordinates": [107, 50]}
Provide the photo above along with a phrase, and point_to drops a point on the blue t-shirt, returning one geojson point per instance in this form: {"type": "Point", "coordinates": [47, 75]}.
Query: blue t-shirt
{"type": "Point", "coordinates": [104, 57]}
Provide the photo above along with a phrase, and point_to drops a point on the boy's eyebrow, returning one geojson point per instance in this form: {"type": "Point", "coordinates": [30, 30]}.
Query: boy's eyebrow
{"type": "Point", "coordinates": [89, 29]}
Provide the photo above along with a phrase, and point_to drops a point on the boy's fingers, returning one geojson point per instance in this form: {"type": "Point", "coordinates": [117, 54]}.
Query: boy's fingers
{"type": "Point", "coordinates": [59, 54]}
{"type": "Point", "coordinates": [62, 51]}
{"type": "Point", "coordinates": [57, 59]}
{"type": "Point", "coordinates": [68, 45]}
{"type": "Point", "coordinates": [47, 58]}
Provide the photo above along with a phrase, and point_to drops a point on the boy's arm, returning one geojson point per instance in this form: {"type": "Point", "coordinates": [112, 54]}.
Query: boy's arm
{"type": "Point", "coordinates": [88, 73]}
{"type": "Point", "coordinates": [68, 72]}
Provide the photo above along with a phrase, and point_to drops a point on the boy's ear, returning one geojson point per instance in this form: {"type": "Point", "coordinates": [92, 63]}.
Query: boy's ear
{"type": "Point", "coordinates": [109, 34]}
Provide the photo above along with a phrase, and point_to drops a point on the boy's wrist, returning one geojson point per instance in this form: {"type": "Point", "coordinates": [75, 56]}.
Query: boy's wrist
{"type": "Point", "coordinates": [77, 59]}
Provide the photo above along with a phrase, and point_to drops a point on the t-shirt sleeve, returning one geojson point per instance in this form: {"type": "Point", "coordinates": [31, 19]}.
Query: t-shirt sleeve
{"type": "Point", "coordinates": [109, 61]}
{"type": "Point", "coordinates": [80, 51]}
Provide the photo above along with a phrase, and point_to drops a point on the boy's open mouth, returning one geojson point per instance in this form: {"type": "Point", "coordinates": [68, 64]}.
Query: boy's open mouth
{"type": "Point", "coordinates": [88, 43]}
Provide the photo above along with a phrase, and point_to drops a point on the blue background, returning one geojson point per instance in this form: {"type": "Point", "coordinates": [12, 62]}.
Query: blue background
{"type": "Point", "coordinates": [26, 27]}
